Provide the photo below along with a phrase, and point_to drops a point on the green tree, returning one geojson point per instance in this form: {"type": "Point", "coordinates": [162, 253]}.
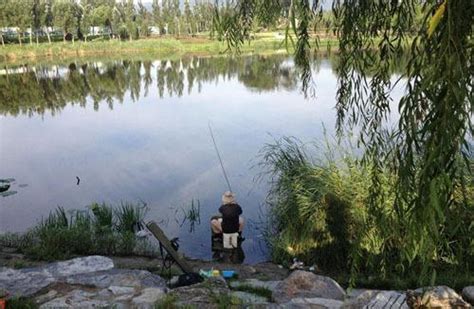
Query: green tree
{"type": "Point", "coordinates": [144, 20]}
{"type": "Point", "coordinates": [429, 149]}
{"type": "Point", "coordinates": [188, 18]}
{"type": "Point", "coordinates": [166, 15]}
{"type": "Point", "coordinates": [37, 12]}
{"type": "Point", "coordinates": [130, 20]}
{"type": "Point", "coordinates": [67, 15]}
{"type": "Point", "coordinates": [157, 18]}
{"type": "Point", "coordinates": [47, 17]}
{"type": "Point", "coordinates": [3, 19]}
{"type": "Point", "coordinates": [87, 18]}
{"type": "Point", "coordinates": [20, 16]}
{"type": "Point", "coordinates": [102, 15]}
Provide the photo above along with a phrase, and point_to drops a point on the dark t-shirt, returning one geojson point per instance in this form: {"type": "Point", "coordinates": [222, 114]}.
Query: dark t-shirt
{"type": "Point", "coordinates": [230, 218]}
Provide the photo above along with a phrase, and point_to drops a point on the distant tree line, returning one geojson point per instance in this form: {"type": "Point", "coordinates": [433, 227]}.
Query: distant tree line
{"type": "Point", "coordinates": [38, 20]}
{"type": "Point", "coordinates": [79, 19]}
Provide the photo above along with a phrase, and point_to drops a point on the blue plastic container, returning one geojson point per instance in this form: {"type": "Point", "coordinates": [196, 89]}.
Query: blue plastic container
{"type": "Point", "coordinates": [228, 273]}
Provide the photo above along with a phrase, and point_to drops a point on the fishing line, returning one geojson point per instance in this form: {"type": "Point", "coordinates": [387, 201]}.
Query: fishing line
{"type": "Point", "coordinates": [219, 156]}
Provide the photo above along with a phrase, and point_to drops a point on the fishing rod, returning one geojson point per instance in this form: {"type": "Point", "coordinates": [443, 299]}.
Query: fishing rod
{"type": "Point", "coordinates": [219, 156]}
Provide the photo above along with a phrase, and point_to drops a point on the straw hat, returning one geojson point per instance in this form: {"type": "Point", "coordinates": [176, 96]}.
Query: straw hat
{"type": "Point", "coordinates": [228, 198]}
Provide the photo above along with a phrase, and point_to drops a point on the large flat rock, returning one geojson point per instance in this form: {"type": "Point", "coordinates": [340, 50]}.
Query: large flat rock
{"type": "Point", "coordinates": [76, 299]}
{"type": "Point", "coordinates": [28, 281]}
{"type": "Point", "coordinates": [118, 277]}
{"type": "Point", "coordinates": [316, 303]}
{"type": "Point", "coordinates": [388, 299]}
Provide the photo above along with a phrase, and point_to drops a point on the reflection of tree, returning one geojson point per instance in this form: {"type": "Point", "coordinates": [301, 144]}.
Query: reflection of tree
{"type": "Point", "coordinates": [36, 90]}
{"type": "Point", "coordinates": [268, 74]}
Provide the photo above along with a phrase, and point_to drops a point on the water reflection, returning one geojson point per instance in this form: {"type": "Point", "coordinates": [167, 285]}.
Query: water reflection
{"type": "Point", "coordinates": [138, 131]}
{"type": "Point", "coordinates": [39, 89]}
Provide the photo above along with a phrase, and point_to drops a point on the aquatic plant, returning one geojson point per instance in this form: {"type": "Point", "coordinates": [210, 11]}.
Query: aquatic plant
{"type": "Point", "coordinates": [192, 215]}
{"type": "Point", "coordinates": [320, 212]}
{"type": "Point", "coordinates": [129, 215]}
{"type": "Point", "coordinates": [100, 229]}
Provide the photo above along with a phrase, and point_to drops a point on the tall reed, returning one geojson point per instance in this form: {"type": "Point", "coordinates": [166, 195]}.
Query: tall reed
{"type": "Point", "coordinates": [320, 210]}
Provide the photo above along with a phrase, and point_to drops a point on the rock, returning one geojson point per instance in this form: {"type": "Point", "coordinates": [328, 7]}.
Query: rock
{"type": "Point", "coordinates": [46, 297]}
{"type": "Point", "coordinates": [303, 284]}
{"type": "Point", "coordinates": [24, 282]}
{"type": "Point", "coordinates": [118, 277]}
{"type": "Point", "coordinates": [249, 298]}
{"type": "Point", "coordinates": [434, 297]}
{"type": "Point", "coordinates": [255, 283]}
{"type": "Point", "coordinates": [388, 299]}
{"type": "Point", "coordinates": [148, 297]}
{"type": "Point", "coordinates": [104, 294]}
{"type": "Point", "coordinates": [75, 299]}
{"type": "Point", "coordinates": [80, 265]}
{"type": "Point", "coordinates": [468, 294]}
{"type": "Point", "coordinates": [358, 298]}
{"type": "Point", "coordinates": [203, 294]}
{"type": "Point", "coordinates": [315, 302]}
{"type": "Point", "coordinates": [120, 290]}
{"type": "Point", "coordinates": [28, 281]}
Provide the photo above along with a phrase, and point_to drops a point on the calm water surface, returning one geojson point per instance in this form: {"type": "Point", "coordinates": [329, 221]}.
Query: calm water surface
{"type": "Point", "coordinates": [138, 131]}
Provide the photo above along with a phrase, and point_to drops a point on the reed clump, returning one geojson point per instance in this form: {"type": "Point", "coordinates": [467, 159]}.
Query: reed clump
{"type": "Point", "coordinates": [322, 212]}
{"type": "Point", "coordinates": [100, 229]}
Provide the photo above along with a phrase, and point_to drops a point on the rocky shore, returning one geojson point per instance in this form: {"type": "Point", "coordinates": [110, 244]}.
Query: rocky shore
{"type": "Point", "coordinates": [121, 282]}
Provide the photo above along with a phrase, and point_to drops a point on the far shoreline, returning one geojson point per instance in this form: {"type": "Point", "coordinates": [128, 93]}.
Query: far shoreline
{"type": "Point", "coordinates": [149, 48]}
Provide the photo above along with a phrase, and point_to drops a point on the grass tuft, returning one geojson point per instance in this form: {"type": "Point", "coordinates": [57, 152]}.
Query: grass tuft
{"type": "Point", "coordinates": [100, 229]}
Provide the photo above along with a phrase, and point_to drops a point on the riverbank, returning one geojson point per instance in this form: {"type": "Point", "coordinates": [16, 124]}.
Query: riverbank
{"type": "Point", "coordinates": [153, 47]}
{"type": "Point", "coordinates": [141, 282]}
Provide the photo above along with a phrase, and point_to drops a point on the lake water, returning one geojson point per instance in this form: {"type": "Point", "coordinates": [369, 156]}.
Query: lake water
{"type": "Point", "coordinates": [138, 131]}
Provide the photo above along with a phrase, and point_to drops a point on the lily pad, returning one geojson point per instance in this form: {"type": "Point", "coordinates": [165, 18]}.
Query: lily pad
{"type": "Point", "coordinates": [8, 193]}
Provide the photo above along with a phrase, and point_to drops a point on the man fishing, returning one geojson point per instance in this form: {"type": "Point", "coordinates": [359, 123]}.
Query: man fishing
{"type": "Point", "coordinates": [231, 224]}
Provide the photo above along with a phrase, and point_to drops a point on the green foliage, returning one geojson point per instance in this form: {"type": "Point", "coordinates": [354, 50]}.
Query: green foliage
{"type": "Point", "coordinates": [125, 19]}
{"type": "Point", "coordinates": [320, 212]}
{"type": "Point", "coordinates": [225, 301]}
{"type": "Point", "coordinates": [169, 302]}
{"type": "Point", "coordinates": [429, 149]}
{"type": "Point", "coordinates": [260, 291]}
{"type": "Point", "coordinates": [21, 303]}
{"type": "Point", "coordinates": [100, 230]}
{"type": "Point", "coordinates": [67, 15]}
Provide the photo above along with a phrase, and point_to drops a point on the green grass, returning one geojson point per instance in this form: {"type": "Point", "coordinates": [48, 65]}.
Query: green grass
{"type": "Point", "coordinates": [155, 47]}
{"type": "Point", "coordinates": [169, 302]}
{"type": "Point", "coordinates": [259, 291]}
{"type": "Point", "coordinates": [100, 229]}
{"type": "Point", "coordinates": [21, 303]}
{"type": "Point", "coordinates": [225, 301]}
{"type": "Point", "coordinates": [321, 212]}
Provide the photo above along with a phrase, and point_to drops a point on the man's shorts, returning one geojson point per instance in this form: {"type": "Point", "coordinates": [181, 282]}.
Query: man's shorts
{"type": "Point", "coordinates": [230, 240]}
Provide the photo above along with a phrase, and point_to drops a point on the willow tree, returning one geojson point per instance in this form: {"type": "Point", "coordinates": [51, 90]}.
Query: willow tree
{"type": "Point", "coordinates": [429, 148]}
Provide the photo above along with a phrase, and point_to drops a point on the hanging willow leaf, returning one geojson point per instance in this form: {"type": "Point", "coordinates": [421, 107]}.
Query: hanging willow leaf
{"type": "Point", "coordinates": [429, 149]}
{"type": "Point", "coordinates": [434, 21]}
